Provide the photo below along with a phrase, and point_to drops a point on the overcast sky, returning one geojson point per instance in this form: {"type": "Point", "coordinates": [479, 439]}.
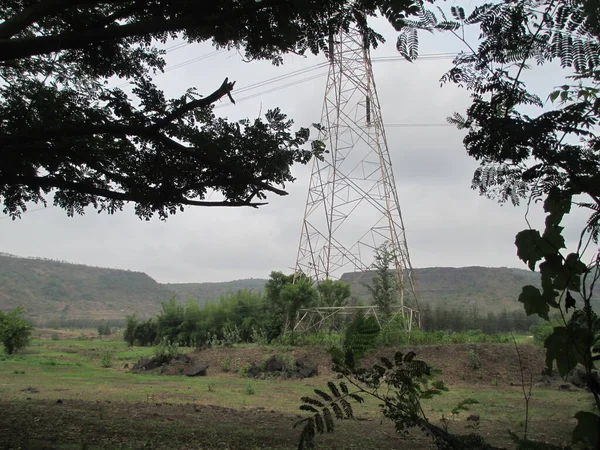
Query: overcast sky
{"type": "Point", "coordinates": [447, 223]}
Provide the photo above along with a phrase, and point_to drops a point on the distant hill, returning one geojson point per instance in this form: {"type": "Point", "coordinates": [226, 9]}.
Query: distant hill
{"type": "Point", "coordinates": [490, 289]}
{"type": "Point", "coordinates": [52, 290]}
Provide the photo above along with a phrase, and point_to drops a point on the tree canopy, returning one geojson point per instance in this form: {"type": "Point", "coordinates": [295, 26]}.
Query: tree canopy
{"type": "Point", "coordinates": [538, 149]}
{"type": "Point", "coordinates": [65, 131]}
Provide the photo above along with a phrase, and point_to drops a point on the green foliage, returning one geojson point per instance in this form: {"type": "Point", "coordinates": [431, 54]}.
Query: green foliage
{"type": "Point", "coordinates": [144, 333]}
{"type": "Point", "coordinates": [243, 370]}
{"type": "Point", "coordinates": [231, 336]}
{"type": "Point", "coordinates": [360, 336]}
{"type": "Point", "coordinates": [541, 330]}
{"type": "Point", "coordinates": [474, 360]}
{"type": "Point", "coordinates": [226, 364]}
{"type": "Point", "coordinates": [106, 358]}
{"type": "Point", "coordinates": [333, 293]}
{"type": "Point", "coordinates": [399, 386]}
{"type": "Point", "coordinates": [325, 407]}
{"type": "Point", "coordinates": [384, 286]}
{"type": "Point", "coordinates": [104, 329]}
{"type": "Point", "coordinates": [165, 351]}
{"type": "Point", "coordinates": [15, 332]}
{"type": "Point", "coordinates": [250, 390]}
{"type": "Point", "coordinates": [528, 148]}
{"type": "Point", "coordinates": [259, 336]}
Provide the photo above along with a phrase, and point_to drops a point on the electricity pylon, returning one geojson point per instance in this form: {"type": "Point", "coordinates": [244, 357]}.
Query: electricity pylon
{"type": "Point", "coordinates": [352, 204]}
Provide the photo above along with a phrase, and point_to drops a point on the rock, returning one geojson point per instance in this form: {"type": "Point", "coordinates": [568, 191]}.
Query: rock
{"type": "Point", "coordinates": [580, 379]}
{"type": "Point", "coordinates": [126, 366]}
{"type": "Point", "coordinates": [146, 364]}
{"type": "Point", "coordinates": [253, 371]}
{"type": "Point", "coordinates": [181, 358]}
{"type": "Point", "coordinates": [473, 418]}
{"type": "Point", "coordinates": [564, 387]}
{"type": "Point", "coordinates": [197, 370]}
{"type": "Point", "coordinates": [273, 365]}
{"type": "Point", "coordinates": [305, 368]}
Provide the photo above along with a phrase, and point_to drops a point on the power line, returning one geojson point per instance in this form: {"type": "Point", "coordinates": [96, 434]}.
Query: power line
{"type": "Point", "coordinates": [181, 64]}
{"type": "Point", "coordinates": [278, 88]}
{"type": "Point", "coordinates": [314, 67]}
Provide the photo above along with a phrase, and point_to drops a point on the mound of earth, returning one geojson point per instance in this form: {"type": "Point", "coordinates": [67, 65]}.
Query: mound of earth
{"type": "Point", "coordinates": [468, 364]}
{"type": "Point", "coordinates": [179, 365]}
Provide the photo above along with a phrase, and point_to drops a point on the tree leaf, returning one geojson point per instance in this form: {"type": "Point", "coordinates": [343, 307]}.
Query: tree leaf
{"type": "Point", "coordinates": [569, 301]}
{"type": "Point", "coordinates": [528, 249]}
{"type": "Point", "coordinates": [324, 395]}
{"type": "Point", "coordinates": [534, 303]}
{"type": "Point", "coordinates": [559, 348]}
{"type": "Point", "coordinates": [586, 430]}
{"type": "Point", "coordinates": [309, 408]}
{"type": "Point", "coordinates": [339, 414]}
{"type": "Point", "coordinates": [333, 388]}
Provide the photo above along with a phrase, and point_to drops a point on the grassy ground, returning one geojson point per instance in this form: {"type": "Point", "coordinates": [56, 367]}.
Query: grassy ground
{"type": "Point", "coordinates": [112, 408]}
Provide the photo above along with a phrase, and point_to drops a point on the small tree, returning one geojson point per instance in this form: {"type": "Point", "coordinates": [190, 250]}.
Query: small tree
{"type": "Point", "coordinates": [384, 287]}
{"type": "Point", "coordinates": [333, 293]}
{"type": "Point", "coordinates": [104, 329]}
{"type": "Point", "coordinates": [15, 332]}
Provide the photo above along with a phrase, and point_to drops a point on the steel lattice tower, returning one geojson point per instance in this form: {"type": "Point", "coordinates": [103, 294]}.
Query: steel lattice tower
{"type": "Point", "coordinates": [352, 204]}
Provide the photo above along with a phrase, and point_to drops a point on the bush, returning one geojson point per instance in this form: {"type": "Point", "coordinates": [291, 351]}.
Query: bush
{"type": "Point", "coordinates": [226, 364]}
{"type": "Point", "coordinates": [542, 330]}
{"type": "Point", "coordinates": [243, 370]}
{"type": "Point", "coordinates": [104, 329]}
{"type": "Point", "coordinates": [15, 332]}
{"type": "Point", "coordinates": [106, 359]}
{"type": "Point", "coordinates": [250, 390]}
{"type": "Point", "coordinates": [259, 336]}
{"type": "Point", "coordinates": [165, 351]}
{"type": "Point", "coordinates": [474, 360]}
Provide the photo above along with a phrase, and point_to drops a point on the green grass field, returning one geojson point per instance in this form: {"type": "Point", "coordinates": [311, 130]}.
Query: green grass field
{"type": "Point", "coordinates": [113, 408]}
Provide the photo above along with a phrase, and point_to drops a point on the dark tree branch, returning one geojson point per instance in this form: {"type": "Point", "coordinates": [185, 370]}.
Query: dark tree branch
{"type": "Point", "coordinates": [90, 188]}
{"type": "Point", "coordinates": [32, 14]}
{"type": "Point", "coordinates": [225, 89]}
{"type": "Point", "coordinates": [27, 47]}
{"type": "Point", "coordinates": [143, 132]}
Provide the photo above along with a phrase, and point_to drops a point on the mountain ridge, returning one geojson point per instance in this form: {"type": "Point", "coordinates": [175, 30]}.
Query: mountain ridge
{"type": "Point", "coordinates": [57, 290]}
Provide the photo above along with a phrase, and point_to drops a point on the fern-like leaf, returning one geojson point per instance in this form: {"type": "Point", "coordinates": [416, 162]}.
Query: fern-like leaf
{"type": "Point", "coordinates": [447, 26]}
{"type": "Point", "coordinates": [357, 398]}
{"type": "Point", "coordinates": [333, 388]}
{"type": "Point", "coordinates": [408, 43]}
{"type": "Point", "coordinates": [458, 12]}
{"type": "Point", "coordinates": [307, 436]}
{"type": "Point", "coordinates": [324, 395]}
{"type": "Point", "coordinates": [347, 408]}
{"type": "Point", "coordinates": [339, 414]}
{"type": "Point", "coordinates": [309, 408]}
{"type": "Point", "coordinates": [343, 387]}
{"type": "Point", "coordinates": [329, 425]}
{"type": "Point", "coordinates": [319, 423]}
{"type": "Point", "coordinates": [312, 401]}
